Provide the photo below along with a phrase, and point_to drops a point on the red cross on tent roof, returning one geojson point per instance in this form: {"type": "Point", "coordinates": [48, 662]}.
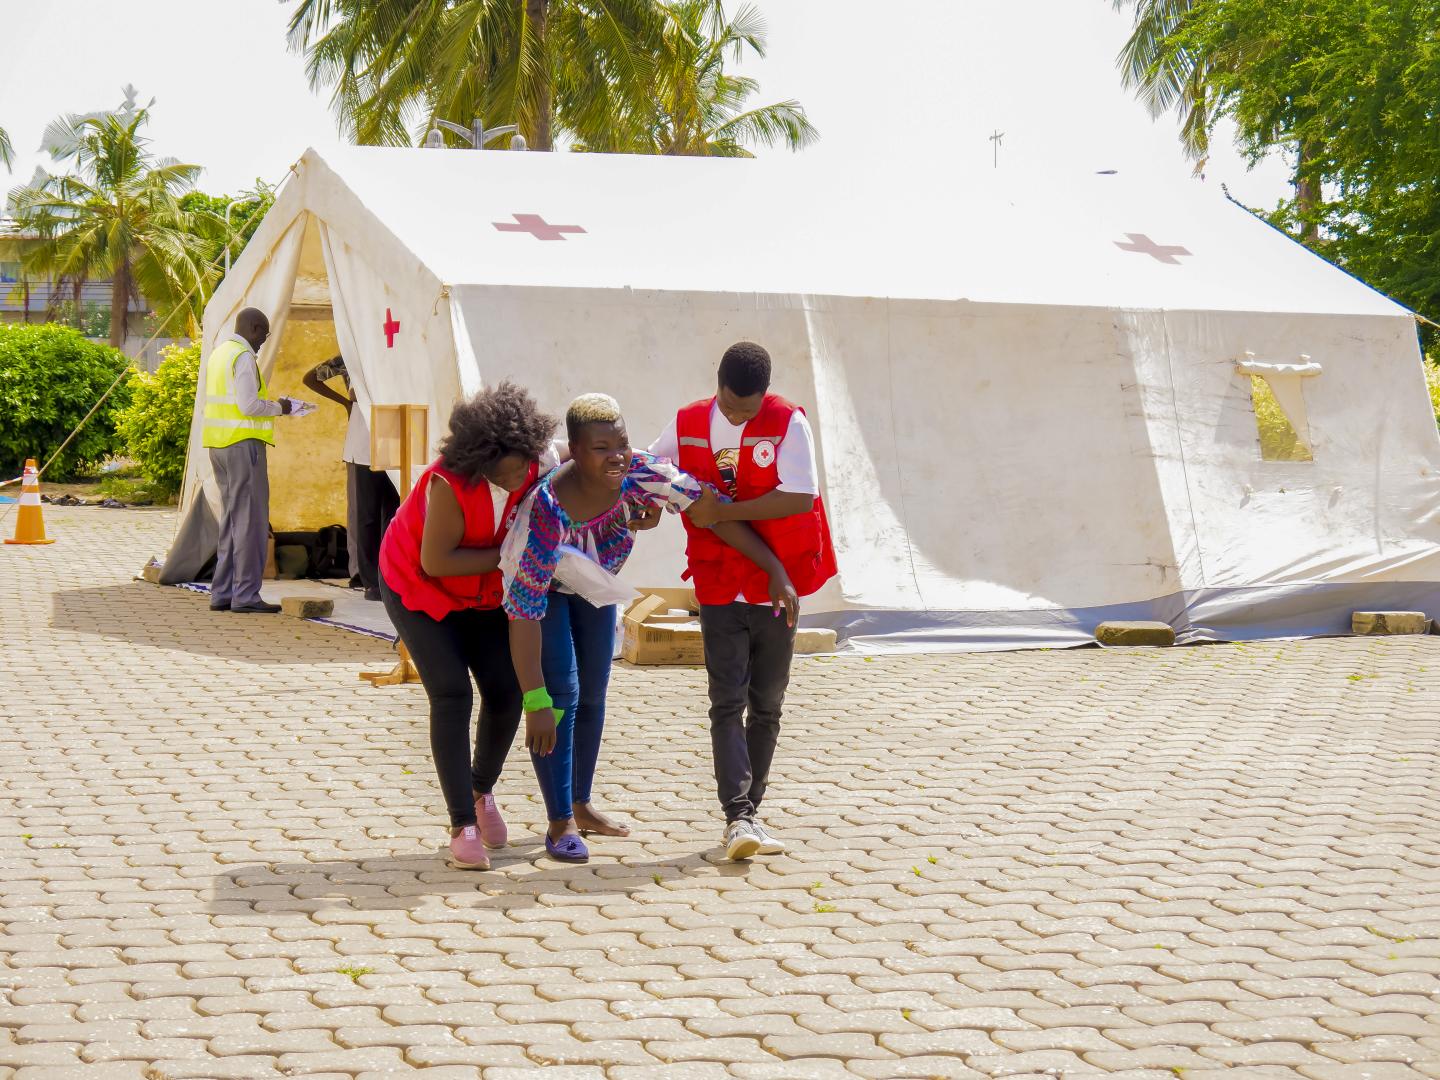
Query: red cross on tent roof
{"type": "Point", "coordinates": [391, 328]}
{"type": "Point", "coordinates": [1140, 244]}
{"type": "Point", "coordinates": [536, 226]}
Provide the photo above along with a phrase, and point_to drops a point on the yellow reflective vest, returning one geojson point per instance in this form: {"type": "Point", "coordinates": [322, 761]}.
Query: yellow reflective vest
{"type": "Point", "coordinates": [225, 424]}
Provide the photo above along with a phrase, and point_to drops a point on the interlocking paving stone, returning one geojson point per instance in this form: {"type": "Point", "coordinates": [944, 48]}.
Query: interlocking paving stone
{"type": "Point", "coordinates": [223, 857]}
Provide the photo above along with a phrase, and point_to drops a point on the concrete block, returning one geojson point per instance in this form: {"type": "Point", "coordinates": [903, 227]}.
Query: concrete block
{"type": "Point", "coordinates": [306, 607]}
{"type": "Point", "coordinates": [1135, 633]}
{"type": "Point", "coordinates": [812, 640]}
{"type": "Point", "coordinates": [1379, 623]}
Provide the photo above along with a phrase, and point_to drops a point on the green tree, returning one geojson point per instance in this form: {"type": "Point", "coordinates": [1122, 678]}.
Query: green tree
{"type": "Point", "coordinates": [1161, 62]}
{"type": "Point", "coordinates": [118, 216]}
{"type": "Point", "coordinates": [1348, 89]}
{"type": "Point", "coordinates": [155, 426]}
{"type": "Point", "coordinates": [7, 151]}
{"type": "Point", "coordinates": [246, 211]}
{"type": "Point", "coordinates": [696, 107]}
{"type": "Point", "coordinates": [549, 66]}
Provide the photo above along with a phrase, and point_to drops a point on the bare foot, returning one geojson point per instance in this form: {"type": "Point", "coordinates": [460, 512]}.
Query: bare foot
{"type": "Point", "coordinates": [590, 820]}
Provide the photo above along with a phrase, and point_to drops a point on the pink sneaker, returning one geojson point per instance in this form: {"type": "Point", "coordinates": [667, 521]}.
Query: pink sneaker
{"type": "Point", "coordinates": [467, 850]}
{"type": "Point", "coordinates": [492, 825]}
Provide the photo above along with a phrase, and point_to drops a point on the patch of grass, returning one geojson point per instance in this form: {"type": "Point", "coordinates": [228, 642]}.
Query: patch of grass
{"type": "Point", "coordinates": [1388, 937]}
{"type": "Point", "coordinates": [656, 878]}
{"type": "Point", "coordinates": [354, 973]}
{"type": "Point", "coordinates": [823, 909]}
{"type": "Point", "coordinates": [931, 859]}
{"type": "Point", "coordinates": [1361, 677]}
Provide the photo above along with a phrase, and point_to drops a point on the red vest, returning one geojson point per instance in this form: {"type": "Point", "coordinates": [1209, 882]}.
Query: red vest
{"type": "Point", "coordinates": [802, 542]}
{"type": "Point", "coordinates": [400, 550]}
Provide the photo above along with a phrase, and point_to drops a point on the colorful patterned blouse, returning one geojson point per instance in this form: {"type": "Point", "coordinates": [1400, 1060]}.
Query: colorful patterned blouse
{"type": "Point", "coordinates": [532, 549]}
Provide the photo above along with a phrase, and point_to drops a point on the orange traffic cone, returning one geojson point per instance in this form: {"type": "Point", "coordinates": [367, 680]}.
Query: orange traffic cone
{"type": "Point", "coordinates": [30, 524]}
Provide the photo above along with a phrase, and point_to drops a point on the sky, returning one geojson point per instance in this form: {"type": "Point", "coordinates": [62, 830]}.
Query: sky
{"type": "Point", "coordinates": [926, 86]}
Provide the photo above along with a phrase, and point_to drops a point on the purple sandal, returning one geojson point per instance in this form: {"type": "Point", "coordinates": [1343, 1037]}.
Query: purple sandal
{"type": "Point", "coordinates": [569, 848]}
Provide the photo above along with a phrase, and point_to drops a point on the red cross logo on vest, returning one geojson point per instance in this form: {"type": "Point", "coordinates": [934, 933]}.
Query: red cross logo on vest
{"type": "Point", "coordinates": [392, 327]}
{"type": "Point", "coordinates": [765, 454]}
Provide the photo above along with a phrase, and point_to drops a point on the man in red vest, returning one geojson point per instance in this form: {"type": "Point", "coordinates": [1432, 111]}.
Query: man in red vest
{"type": "Point", "coordinates": [757, 448]}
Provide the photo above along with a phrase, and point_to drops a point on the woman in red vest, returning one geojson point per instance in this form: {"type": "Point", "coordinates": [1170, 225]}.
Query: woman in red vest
{"type": "Point", "coordinates": [442, 590]}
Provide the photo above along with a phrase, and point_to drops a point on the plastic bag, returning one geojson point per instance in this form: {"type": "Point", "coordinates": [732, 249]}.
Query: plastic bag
{"type": "Point", "coordinates": [589, 580]}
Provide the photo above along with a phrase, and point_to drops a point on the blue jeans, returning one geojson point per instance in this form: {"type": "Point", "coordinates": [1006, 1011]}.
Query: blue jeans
{"type": "Point", "coordinates": [577, 648]}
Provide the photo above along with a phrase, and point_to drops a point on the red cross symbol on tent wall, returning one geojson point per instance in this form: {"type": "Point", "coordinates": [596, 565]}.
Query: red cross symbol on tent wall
{"type": "Point", "coordinates": [392, 327]}
{"type": "Point", "coordinates": [1141, 244]}
{"type": "Point", "coordinates": [536, 226]}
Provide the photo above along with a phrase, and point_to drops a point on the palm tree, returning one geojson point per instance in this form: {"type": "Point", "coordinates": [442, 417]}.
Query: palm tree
{"type": "Point", "coordinates": [395, 66]}
{"type": "Point", "coordinates": [118, 216]}
{"type": "Point", "coordinates": [697, 109]}
{"type": "Point", "coordinates": [7, 151]}
{"type": "Point", "coordinates": [1166, 76]}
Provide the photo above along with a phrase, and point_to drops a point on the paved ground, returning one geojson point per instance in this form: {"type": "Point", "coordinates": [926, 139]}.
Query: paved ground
{"type": "Point", "coordinates": [220, 858]}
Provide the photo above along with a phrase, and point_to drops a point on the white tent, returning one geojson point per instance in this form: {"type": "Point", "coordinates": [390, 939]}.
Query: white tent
{"type": "Point", "coordinates": [1033, 403]}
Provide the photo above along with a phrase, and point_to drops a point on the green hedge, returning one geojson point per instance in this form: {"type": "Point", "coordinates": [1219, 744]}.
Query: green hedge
{"type": "Point", "coordinates": [50, 377]}
{"type": "Point", "coordinates": [156, 424]}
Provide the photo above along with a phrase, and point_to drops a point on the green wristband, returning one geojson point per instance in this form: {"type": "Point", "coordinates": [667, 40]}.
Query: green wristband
{"type": "Point", "coordinates": [535, 700]}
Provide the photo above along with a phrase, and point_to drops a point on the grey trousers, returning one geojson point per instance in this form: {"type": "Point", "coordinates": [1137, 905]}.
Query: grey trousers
{"type": "Point", "coordinates": [352, 518]}
{"type": "Point", "coordinates": [747, 659]}
{"type": "Point", "coordinates": [244, 522]}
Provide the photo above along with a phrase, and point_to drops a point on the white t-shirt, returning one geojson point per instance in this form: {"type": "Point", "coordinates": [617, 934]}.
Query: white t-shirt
{"type": "Point", "coordinates": [794, 462]}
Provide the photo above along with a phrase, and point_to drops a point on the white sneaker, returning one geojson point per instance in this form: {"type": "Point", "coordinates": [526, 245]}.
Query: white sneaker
{"type": "Point", "coordinates": [769, 845]}
{"type": "Point", "coordinates": [741, 840]}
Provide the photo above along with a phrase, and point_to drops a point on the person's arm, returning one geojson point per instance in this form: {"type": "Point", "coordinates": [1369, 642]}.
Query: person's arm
{"type": "Point", "coordinates": [746, 540]}
{"type": "Point", "coordinates": [441, 551]}
{"type": "Point", "coordinates": [247, 389]}
{"type": "Point", "coordinates": [667, 446]}
{"type": "Point", "coordinates": [316, 378]}
{"type": "Point", "coordinates": [768, 507]}
{"type": "Point", "coordinates": [657, 483]}
{"type": "Point", "coordinates": [539, 709]}
{"type": "Point", "coordinates": [527, 589]}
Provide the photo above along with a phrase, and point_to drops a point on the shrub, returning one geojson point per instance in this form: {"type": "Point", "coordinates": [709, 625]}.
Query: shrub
{"type": "Point", "coordinates": [50, 377]}
{"type": "Point", "coordinates": [156, 424]}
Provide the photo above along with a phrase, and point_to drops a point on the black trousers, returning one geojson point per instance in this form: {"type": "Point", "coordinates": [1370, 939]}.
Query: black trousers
{"type": "Point", "coordinates": [747, 658]}
{"type": "Point", "coordinates": [447, 654]}
{"type": "Point", "coordinates": [376, 501]}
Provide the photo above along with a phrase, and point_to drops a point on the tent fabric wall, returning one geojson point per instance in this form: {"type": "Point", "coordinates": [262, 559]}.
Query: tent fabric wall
{"type": "Point", "coordinates": [1029, 411]}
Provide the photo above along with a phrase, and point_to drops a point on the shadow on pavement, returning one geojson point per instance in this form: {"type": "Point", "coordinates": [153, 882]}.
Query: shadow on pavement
{"type": "Point", "coordinates": [159, 617]}
{"type": "Point", "coordinates": [401, 883]}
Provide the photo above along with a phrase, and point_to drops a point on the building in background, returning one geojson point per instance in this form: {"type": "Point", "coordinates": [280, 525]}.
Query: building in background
{"type": "Point", "coordinates": [83, 304]}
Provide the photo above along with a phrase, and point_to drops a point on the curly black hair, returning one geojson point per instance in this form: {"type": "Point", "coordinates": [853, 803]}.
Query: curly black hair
{"type": "Point", "coordinates": [745, 369]}
{"type": "Point", "coordinates": [483, 429]}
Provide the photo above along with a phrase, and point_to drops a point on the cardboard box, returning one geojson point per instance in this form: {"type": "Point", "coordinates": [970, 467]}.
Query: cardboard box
{"type": "Point", "coordinates": [653, 638]}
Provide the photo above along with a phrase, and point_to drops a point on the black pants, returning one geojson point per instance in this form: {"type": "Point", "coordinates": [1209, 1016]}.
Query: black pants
{"type": "Point", "coordinates": [376, 501]}
{"type": "Point", "coordinates": [447, 653]}
{"type": "Point", "coordinates": [747, 657]}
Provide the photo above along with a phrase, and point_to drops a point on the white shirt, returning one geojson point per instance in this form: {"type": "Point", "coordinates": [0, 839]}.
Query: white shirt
{"type": "Point", "coordinates": [794, 461]}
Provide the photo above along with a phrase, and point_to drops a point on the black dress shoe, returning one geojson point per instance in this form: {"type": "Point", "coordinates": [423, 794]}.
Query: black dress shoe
{"type": "Point", "coordinates": [260, 608]}
{"type": "Point", "coordinates": [372, 594]}
{"type": "Point", "coordinates": [220, 607]}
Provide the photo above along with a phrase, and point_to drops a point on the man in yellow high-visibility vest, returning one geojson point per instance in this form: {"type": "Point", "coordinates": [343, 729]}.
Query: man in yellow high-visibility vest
{"type": "Point", "coordinates": [239, 423]}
